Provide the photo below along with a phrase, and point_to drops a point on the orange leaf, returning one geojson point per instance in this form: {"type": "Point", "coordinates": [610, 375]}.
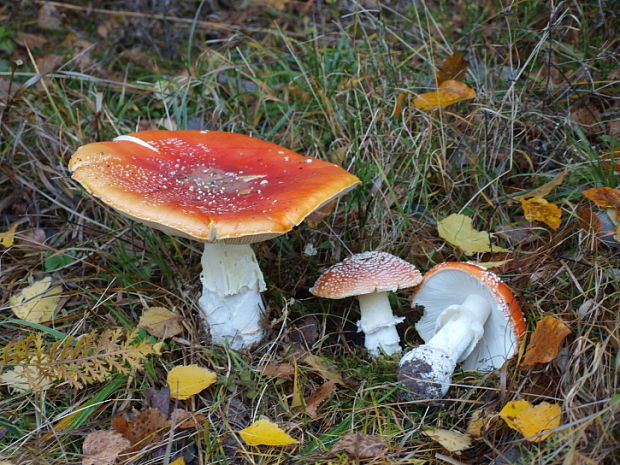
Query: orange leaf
{"type": "Point", "coordinates": [546, 341]}
{"type": "Point", "coordinates": [604, 197]}
{"type": "Point", "coordinates": [448, 93]}
{"type": "Point", "coordinates": [536, 209]}
{"type": "Point", "coordinates": [453, 68]}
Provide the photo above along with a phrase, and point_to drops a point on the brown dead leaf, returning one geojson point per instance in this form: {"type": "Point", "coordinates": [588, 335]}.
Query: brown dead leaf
{"type": "Point", "coordinates": [279, 370]}
{"type": "Point", "coordinates": [545, 189]}
{"type": "Point", "coordinates": [448, 93]}
{"type": "Point", "coordinates": [48, 63]}
{"type": "Point", "coordinates": [275, 4]}
{"type": "Point", "coordinates": [145, 427]}
{"type": "Point", "coordinates": [606, 197]}
{"type": "Point", "coordinates": [105, 28]}
{"type": "Point", "coordinates": [587, 117]}
{"type": "Point", "coordinates": [546, 341]}
{"type": "Point", "coordinates": [454, 67]}
{"type": "Point", "coordinates": [184, 419]}
{"type": "Point", "coordinates": [360, 446]}
{"type": "Point", "coordinates": [103, 447]}
{"type": "Point", "coordinates": [49, 18]}
{"type": "Point", "coordinates": [34, 238]}
{"type": "Point", "coordinates": [30, 41]}
{"type": "Point", "coordinates": [401, 102]}
{"type": "Point", "coordinates": [536, 209]}
{"type": "Point", "coordinates": [318, 397]}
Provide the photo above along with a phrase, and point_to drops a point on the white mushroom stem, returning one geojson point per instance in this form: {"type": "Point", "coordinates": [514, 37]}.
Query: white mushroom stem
{"type": "Point", "coordinates": [231, 302]}
{"type": "Point", "coordinates": [427, 370]}
{"type": "Point", "coordinates": [378, 324]}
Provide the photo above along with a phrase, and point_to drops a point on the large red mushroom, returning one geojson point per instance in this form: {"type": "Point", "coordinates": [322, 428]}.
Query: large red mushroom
{"type": "Point", "coordinates": [224, 189]}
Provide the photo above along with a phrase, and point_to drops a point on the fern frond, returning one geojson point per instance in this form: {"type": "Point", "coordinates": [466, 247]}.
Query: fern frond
{"type": "Point", "coordinates": [87, 359]}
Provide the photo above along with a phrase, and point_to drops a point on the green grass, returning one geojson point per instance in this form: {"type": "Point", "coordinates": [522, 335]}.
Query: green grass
{"type": "Point", "coordinates": [324, 84]}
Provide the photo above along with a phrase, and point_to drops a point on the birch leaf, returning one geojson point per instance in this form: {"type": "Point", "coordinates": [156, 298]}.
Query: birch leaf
{"type": "Point", "coordinates": [8, 238]}
{"type": "Point", "coordinates": [452, 441]}
{"type": "Point", "coordinates": [265, 433]}
{"type": "Point", "coordinates": [37, 302]}
{"type": "Point", "coordinates": [458, 230]}
{"type": "Point", "coordinates": [160, 322]}
{"type": "Point", "coordinates": [545, 189]}
{"type": "Point", "coordinates": [536, 209]}
{"type": "Point", "coordinates": [529, 420]}
{"type": "Point", "coordinates": [185, 381]}
{"type": "Point", "coordinates": [448, 93]}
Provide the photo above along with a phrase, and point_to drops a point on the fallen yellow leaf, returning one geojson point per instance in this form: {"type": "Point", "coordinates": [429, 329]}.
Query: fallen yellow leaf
{"type": "Point", "coordinates": [448, 93]}
{"type": "Point", "coordinates": [160, 322]}
{"type": "Point", "coordinates": [536, 209]}
{"type": "Point", "coordinates": [8, 238]}
{"type": "Point", "coordinates": [458, 230]}
{"type": "Point", "coordinates": [546, 341]}
{"type": "Point", "coordinates": [452, 441]}
{"type": "Point", "coordinates": [479, 422]}
{"type": "Point", "coordinates": [529, 420]}
{"type": "Point", "coordinates": [186, 380]}
{"type": "Point", "coordinates": [604, 197]}
{"type": "Point", "coordinates": [179, 461]}
{"type": "Point", "coordinates": [496, 264]}
{"type": "Point", "coordinates": [265, 433]}
{"type": "Point", "coordinates": [37, 302]}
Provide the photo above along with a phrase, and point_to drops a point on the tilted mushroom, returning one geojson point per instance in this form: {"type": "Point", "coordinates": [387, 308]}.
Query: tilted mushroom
{"type": "Point", "coordinates": [224, 189]}
{"type": "Point", "coordinates": [370, 276]}
{"type": "Point", "coordinates": [470, 316]}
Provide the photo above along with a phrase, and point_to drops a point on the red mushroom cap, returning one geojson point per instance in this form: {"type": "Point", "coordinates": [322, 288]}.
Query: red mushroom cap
{"type": "Point", "coordinates": [450, 283]}
{"type": "Point", "coordinates": [208, 185]}
{"type": "Point", "coordinates": [364, 273]}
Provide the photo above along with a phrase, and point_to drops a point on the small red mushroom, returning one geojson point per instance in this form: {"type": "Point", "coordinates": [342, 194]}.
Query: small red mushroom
{"type": "Point", "coordinates": [470, 316]}
{"type": "Point", "coordinates": [224, 189]}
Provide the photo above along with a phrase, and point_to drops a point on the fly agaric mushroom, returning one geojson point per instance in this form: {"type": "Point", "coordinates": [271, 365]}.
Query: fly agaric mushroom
{"type": "Point", "coordinates": [470, 316]}
{"type": "Point", "coordinates": [224, 189]}
{"type": "Point", "coordinates": [370, 276]}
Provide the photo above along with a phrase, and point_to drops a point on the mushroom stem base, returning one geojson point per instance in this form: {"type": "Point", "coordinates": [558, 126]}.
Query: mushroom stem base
{"type": "Point", "coordinates": [378, 324]}
{"type": "Point", "coordinates": [231, 303]}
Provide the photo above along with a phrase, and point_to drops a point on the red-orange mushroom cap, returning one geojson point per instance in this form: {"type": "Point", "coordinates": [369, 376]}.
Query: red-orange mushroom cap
{"type": "Point", "coordinates": [208, 185]}
{"type": "Point", "coordinates": [370, 276]}
{"type": "Point", "coordinates": [224, 189]}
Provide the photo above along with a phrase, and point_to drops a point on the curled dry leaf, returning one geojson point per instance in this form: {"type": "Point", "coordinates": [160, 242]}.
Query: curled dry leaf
{"type": "Point", "coordinates": [360, 446]}
{"type": "Point", "coordinates": [452, 441]}
{"type": "Point", "coordinates": [103, 447]}
{"type": "Point", "coordinates": [184, 419]}
{"type": "Point", "coordinates": [605, 197]}
{"type": "Point", "coordinates": [536, 209]}
{"type": "Point", "coordinates": [546, 341]}
{"type": "Point", "coordinates": [545, 189]}
{"type": "Point", "coordinates": [531, 420]}
{"type": "Point", "coordinates": [265, 433]}
{"type": "Point", "coordinates": [458, 230]}
{"type": "Point", "coordinates": [37, 302]}
{"type": "Point", "coordinates": [161, 322]}
{"type": "Point", "coordinates": [185, 381]}
{"type": "Point", "coordinates": [448, 93]}
{"type": "Point", "coordinates": [318, 397]}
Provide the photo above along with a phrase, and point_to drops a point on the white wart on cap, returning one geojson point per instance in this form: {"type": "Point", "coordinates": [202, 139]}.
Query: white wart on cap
{"type": "Point", "coordinates": [470, 316]}
{"type": "Point", "coordinates": [370, 276]}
